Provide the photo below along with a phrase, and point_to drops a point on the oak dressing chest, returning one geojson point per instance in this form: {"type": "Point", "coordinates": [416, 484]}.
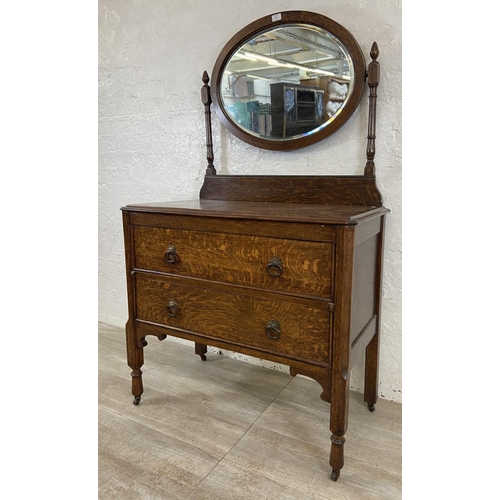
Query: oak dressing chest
{"type": "Point", "coordinates": [283, 268]}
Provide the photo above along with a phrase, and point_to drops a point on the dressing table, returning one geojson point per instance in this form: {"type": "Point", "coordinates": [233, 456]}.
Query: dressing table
{"type": "Point", "coordinates": [284, 268]}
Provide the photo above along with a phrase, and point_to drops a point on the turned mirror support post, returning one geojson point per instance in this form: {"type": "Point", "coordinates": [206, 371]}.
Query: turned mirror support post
{"type": "Point", "coordinates": [373, 80]}
{"type": "Point", "coordinates": [207, 100]}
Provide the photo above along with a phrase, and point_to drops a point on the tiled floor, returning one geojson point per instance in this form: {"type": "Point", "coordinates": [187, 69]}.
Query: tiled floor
{"type": "Point", "coordinates": [225, 429]}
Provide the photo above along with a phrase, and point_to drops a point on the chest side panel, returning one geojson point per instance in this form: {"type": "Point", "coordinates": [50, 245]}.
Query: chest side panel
{"type": "Point", "coordinates": [365, 278]}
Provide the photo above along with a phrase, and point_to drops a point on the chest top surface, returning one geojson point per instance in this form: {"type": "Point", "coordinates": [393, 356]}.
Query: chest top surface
{"type": "Point", "coordinates": [314, 213]}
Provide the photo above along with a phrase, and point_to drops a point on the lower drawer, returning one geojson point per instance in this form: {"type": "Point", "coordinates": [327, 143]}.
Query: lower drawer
{"type": "Point", "coordinates": [290, 329]}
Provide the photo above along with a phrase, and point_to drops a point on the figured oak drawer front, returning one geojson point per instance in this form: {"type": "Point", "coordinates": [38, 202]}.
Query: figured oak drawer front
{"type": "Point", "coordinates": [303, 267]}
{"type": "Point", "coordinates": [286, 328]}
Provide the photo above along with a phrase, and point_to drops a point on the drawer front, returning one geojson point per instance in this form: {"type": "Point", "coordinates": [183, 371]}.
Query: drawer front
{"type": "Point", "coordinates": [303, 267]}
{"type": "Point", "coordinates": [298, 330]}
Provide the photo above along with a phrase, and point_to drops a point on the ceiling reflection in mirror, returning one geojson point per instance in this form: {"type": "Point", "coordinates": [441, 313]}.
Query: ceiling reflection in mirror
{"type": "Point", "coordinates": [287, 82]}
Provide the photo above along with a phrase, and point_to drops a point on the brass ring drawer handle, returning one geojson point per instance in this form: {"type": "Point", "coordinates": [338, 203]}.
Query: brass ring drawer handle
{"type": "Point", "coordinates": [273, 329]}
{"type": "Point", "coordinates": [172, 308]}
{"type": "Point", "coordinates": [171, 254]}
{"type": "Point", "coordinates": [275, 267]}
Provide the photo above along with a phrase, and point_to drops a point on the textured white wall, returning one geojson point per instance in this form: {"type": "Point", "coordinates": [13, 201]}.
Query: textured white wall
{"type": "Point", "coordinates": [152, 54]}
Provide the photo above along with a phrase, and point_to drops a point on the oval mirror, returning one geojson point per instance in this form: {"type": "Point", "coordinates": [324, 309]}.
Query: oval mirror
{"type": "Point", "coordinates": [288, 80]}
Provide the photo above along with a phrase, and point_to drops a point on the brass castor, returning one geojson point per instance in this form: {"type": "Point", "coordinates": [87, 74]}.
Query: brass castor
{"type": "Point", "coordinates": [371, 407]}
{"type": "Point", "coordinates": [335, 474]}
{"type": "Point", "coordinates": [137, 399]}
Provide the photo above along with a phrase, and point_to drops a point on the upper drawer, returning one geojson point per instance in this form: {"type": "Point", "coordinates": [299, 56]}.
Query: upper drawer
{"type": "Point", "coordinates": [303, 267]}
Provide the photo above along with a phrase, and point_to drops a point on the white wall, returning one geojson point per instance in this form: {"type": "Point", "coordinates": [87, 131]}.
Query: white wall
{"type": "Point", "coordinates": [152, 54]}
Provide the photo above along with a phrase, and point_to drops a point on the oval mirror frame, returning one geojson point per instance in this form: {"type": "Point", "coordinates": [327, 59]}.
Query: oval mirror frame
{"type": "Point", "coordinates": [272, 21]}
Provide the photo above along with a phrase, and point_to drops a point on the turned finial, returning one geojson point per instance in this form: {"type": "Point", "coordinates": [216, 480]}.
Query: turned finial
{"type": "Point", "coordinates": [374, 51]}
{"type": "Point", "coordinates": [373, 78]}
{"type": "Point", "coordinates": [207, 100]}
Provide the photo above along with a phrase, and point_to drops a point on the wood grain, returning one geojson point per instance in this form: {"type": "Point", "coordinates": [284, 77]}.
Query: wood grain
{"type": "Point", "coordinates": [339, 409]}
{"type": "Point", "coordinates": [237, 259]}
{"type": "Point", "coordinates": [234, 317]}
{"type": "Point", "coordinates": [214, 224]}
{"type": "Point", "coordinates": [282, 212]}
{"type": "Point", "coordinates": [313, 189]}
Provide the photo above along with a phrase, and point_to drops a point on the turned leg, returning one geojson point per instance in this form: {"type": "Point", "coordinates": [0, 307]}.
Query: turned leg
{"type": "Point", "coordinates": [338, 421]}
{"type": "Point", "coordinates": [371, 372]}
{"type": "Point", "coordinates": [135, 359]}
{"type": "Point", "coordinates": [336, 456]}
{"type": "Point", "coordinates": [200, 350]}
{"type": "Point", "coordinates": [344, 272]}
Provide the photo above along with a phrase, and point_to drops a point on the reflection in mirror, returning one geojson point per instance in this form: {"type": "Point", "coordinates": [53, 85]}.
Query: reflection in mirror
{"type": "Point", "coordinates": [287, 82]}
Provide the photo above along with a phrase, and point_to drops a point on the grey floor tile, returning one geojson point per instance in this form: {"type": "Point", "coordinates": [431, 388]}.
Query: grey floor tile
{"type": "Point", "coordinates": [116, 484]}
{"type": "Point", "coordinates": [371, 437]}
{"type": "Point", "coordinates": [230, 481]}
{"type": "Point", "coordinates": [167, 464]}
{"type": "Point", "coordinates": [305, 466]}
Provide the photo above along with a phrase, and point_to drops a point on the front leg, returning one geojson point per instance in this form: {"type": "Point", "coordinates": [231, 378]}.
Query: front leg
{"type": "Point", "coordinates": [338, 420]}
{"type": "Point", "coordinates": [341, 346]}
{"type": "Point", "coordinates": [135, 359]}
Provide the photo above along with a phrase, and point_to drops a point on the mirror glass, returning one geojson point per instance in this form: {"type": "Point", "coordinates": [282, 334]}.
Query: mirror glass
{"type": "Point", "coordinates": [288, 80]}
